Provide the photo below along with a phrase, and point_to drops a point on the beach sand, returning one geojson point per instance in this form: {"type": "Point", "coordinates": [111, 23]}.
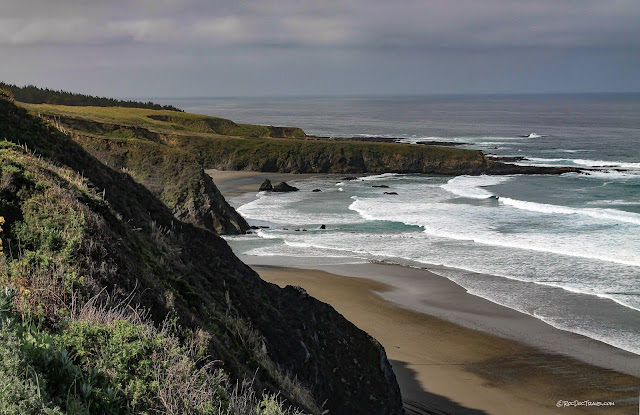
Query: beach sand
{"type": "Point", "coordinates": [442, 365]}
{"type": "Point", "coordinates": [455, 353]}
{"type": "Point", "coordinates": [236, 183]}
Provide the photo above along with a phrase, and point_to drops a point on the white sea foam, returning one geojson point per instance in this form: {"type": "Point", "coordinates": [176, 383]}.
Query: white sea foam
{"type": "Point", "coordinates": [383, 176]}
{"type": "Point", "coordinates": [593, 252]}
{"type": "Point", "coordinates": [613, 174]}
{"type": "Point", "coordinates": [472, 186]}
{"type": "Point", "coordinates": [604, 164]}
{"type": "Point", "coordinates": [604, 214]}
{"type": "Point", "coordinates": [619, 202]}
{"type": "Point", "coordinates": [476, 224]}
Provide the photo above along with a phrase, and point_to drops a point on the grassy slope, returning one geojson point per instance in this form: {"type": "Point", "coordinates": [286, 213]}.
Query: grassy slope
{"type": "Point", "coordinates": [74, 227]}
{"type": "Point", "coordinates": [219, 143]}
{"type": "Point", "coordinates": [165, 121]}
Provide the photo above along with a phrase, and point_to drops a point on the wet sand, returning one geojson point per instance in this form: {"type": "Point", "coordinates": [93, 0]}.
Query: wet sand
{"type": "Point", "coordinates": [236, 183]}
{"type": "Point", "coordinates": [457, 370]}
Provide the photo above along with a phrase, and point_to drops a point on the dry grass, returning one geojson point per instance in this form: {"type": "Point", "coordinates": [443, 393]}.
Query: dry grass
{"type": "Point", "coordinates": [253, 341]}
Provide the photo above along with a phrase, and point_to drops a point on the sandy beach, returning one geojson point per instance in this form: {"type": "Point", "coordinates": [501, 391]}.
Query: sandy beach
{"type": "Point", "coordinates": [236, 183]}
{"type": "Point", "coordinates": [455, 353]}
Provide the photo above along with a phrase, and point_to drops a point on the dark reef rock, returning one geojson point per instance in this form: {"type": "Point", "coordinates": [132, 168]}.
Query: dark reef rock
{"type": "Point", "coordinates": [316, 190]}
{"type": "Point", "coordinates": [284, 187]}
{"type": "Point", "coordinates": [381, 186]}
{"type": "Point", "coordinates": [266, 186]}
{"type": "Point", "coordinates": [390, 193]}
{"type": "Point", "coordinates": [323, 227]}
{"type": "Point", "coordinates": [442, 143]}
{"type": "Point", "coordinates": [508, 159]}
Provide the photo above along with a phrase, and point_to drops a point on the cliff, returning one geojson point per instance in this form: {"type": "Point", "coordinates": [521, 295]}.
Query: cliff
{"type": "Point", "coordinates": [223, 144]}
{"type": "Point", "coordinates": [77, 231]}
{"type": "Point", "coordinates": [174, 176]}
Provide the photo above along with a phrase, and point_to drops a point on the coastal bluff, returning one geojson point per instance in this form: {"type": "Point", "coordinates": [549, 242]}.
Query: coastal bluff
{"type": "Point", "coordinates": [86, 230]}
{"type": "Point", "coordinates": [216, 143]}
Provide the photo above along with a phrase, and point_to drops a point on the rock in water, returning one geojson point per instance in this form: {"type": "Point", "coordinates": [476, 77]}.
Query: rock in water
{"type": "Point", "coordinates": [316, 190]}
{"type": "Point", "coordinates": [266, 186]}
{"type": "Point", "coordinates": [390, 193]}
{"type": "Point", "coordinates": [382, 186]}
{"type": "Point", "coordinates": [284, 187]}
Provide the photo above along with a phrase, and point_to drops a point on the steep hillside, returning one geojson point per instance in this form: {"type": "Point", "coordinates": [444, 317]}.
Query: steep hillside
{"type": "Point", "coordinates": [74, 228]}
{"type": "Point", "coordinates": [174, 176]}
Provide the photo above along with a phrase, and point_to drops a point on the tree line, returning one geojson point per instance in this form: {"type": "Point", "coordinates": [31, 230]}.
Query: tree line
{"type": "Point", "coordinates": [31, 94]}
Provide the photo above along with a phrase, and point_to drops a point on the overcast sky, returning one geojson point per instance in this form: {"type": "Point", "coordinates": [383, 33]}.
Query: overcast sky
{"type": "Point", "coordinates": [174, 48]}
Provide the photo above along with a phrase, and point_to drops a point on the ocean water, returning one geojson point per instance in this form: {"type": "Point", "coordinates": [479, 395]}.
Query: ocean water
{"type": "Point", "coordinates": [565, 249]}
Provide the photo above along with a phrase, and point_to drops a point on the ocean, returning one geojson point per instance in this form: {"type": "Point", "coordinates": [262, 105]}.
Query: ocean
{"type": "Point", "coordinates": [564, 249]}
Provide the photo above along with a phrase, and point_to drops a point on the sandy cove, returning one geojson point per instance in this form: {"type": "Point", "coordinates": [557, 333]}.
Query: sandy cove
{"type": "Point", "coordinates": [492, 360]}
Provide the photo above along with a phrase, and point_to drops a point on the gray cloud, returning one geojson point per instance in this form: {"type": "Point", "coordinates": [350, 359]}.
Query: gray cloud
{"type": "Point", "coordinates": [372, 45]}
{"type": "Point", "coordinates": [355, 23]}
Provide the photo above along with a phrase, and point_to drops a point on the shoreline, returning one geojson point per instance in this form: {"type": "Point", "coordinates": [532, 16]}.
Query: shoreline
{"type": "Point", "coordinates": [425, 292]}
{"type": "Point", "coordinates": [528, 351]}
{"type": "Point", "coordinates": [235, 183]}
{"type": "Point", "coordinates": [444, 365]}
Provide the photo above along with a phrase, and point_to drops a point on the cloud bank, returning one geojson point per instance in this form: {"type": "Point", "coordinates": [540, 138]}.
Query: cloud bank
{"type": "Point", "coordinates": [434, 33]}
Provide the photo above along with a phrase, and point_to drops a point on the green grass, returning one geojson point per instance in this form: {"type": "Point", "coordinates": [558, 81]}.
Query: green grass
{"type": "Point", "coordinates": [165, 121]}
{"type": "Point", "coordinates": [220, 143]}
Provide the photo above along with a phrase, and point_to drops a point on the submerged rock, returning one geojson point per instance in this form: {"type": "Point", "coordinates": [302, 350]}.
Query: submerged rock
{"type": "Point", "coordinates": [382, 186]}
{"type": "Point", "coordinates": [284, 187]}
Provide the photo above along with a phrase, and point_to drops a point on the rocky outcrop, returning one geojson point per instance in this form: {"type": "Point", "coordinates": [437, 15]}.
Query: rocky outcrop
{"type": "Point", "coordinates": [174, 176]}
{"type": "Point", "coordinates": [266, 186]}
{"type": "Point", "coordinates": [300, 156]}
{"type": "Point", "coordinates": [207, 207]}
{"type": "Point", "coordinates": [284, 187]}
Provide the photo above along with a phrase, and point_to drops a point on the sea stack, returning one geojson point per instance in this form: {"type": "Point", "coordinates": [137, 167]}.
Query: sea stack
{"type": "Point", "coordinates": [266, 186]}
{"type": "Point", "coordinates": [284, 187]}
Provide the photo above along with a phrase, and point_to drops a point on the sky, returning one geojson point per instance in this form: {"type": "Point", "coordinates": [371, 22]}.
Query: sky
{"type": "Point", "coordinates": [210, 48]}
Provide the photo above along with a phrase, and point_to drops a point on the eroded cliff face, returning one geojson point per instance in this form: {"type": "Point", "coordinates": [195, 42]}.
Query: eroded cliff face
{"type": "Point", "coordinates": [358, 157]}
{"type": "Point", "coordinates": [174, 176]}
{"type": "Point", "coordinates": [130, 244]}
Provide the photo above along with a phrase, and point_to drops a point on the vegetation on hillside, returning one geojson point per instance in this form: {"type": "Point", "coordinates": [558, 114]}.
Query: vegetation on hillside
{"type": "Point", "coordinates": [216, 143]}
{"type": "Point", "coordinates": [166, 122]}
{"type": "Point", "coordinates": [111, 305]}
{"type": "Point", "coordinates": [34, 95]}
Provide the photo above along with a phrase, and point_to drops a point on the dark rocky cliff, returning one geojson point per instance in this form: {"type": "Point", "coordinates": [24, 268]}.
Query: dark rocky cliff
{"type": "Point", "coordinates": [174, 176]}
{"type": "Point", "coordinates": [125, 240]}
{"type": "Point", "coordinates": [261, 150]}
